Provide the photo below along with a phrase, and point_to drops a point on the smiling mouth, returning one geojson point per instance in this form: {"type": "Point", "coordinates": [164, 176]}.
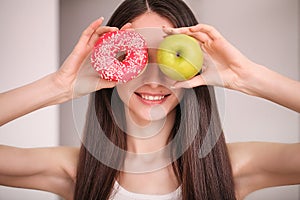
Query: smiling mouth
{"type": "Point", "coordinates": [153, 98]}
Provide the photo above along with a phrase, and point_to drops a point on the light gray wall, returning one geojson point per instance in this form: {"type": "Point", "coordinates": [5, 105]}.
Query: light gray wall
{"type": "Point", "coordinates": [28, 51]}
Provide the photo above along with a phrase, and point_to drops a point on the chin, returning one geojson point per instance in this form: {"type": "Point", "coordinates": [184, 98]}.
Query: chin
{"type": "Point", "coordinates": [154, 113]}
{"type": "Point", "coordinates": [151, 115]}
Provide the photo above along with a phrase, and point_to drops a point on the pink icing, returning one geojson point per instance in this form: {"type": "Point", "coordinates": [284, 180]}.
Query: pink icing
{"type": "Point", "coordinates": [104, 61]}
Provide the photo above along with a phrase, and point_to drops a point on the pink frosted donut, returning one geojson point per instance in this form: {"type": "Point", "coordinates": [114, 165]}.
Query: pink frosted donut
{"type": "Point", "coordinates": [120, 55]}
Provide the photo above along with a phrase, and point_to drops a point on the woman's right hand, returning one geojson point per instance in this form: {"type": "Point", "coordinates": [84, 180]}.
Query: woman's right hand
{"type": "Point", "coordinates": [76, 76]}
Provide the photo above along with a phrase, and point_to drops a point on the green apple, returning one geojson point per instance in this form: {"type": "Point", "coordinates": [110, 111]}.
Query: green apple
{"type": "Point", "coordinates": [180, 57]}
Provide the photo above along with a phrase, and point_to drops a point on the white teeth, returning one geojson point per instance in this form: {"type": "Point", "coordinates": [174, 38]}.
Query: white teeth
{"type": "Point", "coordinates": [152, 98]}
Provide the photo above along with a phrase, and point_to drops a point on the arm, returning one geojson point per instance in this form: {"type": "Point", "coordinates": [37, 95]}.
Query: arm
{"type": "Point", "coordinates": [74, 78]}
{"type": "Point", "coordinates": [47, 169]}
{"type": "Point", "coordinates": [258, 165]}
{"type": "Point", "coordinates": [20, 101]}
{"type": "Point", "coordinates": [226, 66]}
{"type": "Point", "coordinates": [50, 169]}
{"type": "Point", "coordinates": [274, 87]}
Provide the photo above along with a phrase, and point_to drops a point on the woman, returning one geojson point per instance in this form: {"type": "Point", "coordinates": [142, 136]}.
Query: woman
{"type": "Point", "coordinates": [226, 172]}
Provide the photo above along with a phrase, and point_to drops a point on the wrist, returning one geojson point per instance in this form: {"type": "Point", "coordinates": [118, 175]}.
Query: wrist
{"type": "Point", "coordinates": [59, 90]}
{"type": "Point", "coordinates": [252, 79]}
{"type": "Point", "coordinates": [265, 83]}
{"type": "Point", "coordinates": [36, 95]}
{"type": "Point", "coordinates": [258, 81]}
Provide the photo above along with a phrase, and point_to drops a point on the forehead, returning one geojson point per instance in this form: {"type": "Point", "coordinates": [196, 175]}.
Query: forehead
{"type": "Point", "coordinates": [150, 19]}
{"type": "Point", "coordinates": [149, 25]}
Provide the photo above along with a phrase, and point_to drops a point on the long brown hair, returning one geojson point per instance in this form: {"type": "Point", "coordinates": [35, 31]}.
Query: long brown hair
{"type": "Point", "coordinates": [201, 178]}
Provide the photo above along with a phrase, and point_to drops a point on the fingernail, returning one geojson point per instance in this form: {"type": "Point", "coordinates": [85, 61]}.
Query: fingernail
{"type": "Point", "coordinates": [168, 29]}
{"type": "Point", "coordinates": [172, 87]}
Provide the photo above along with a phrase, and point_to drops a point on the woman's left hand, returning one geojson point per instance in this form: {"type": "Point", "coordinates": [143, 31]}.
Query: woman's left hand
{"type": "Point", "coordinates": [223, 66]}
{"type": "Point", "coordinates": [226, 66]}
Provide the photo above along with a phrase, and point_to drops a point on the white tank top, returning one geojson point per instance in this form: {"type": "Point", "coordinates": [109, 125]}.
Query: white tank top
{"type": "Point", "coordinates": [120, 193]}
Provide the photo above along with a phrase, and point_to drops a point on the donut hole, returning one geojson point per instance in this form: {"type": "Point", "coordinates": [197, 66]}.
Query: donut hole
{"type": "Point", "coordinates": [121, 55]}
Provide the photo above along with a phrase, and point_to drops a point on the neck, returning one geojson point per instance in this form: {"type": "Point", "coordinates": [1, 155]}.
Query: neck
{"type": "Point", "coordinates": [146, 142]}
{"type": "Point", "coordinates": [151, 136]}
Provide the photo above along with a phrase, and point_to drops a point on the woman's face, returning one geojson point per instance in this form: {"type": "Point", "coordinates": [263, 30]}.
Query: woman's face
{"type": "Point", "coordinates": [149, 97]}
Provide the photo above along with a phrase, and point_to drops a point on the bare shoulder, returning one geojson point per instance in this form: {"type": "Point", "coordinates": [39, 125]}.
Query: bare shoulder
{"type": "Point", "coordinates": [258, 165]}
{"type": "Point", "coordinates": [63, 177]}
{"type": "Point", "coordinates": [257, 156]}
{"type": "Point", "coordinates": [51, 169]}
{"type": "Point", "coordinates": [69, 159]}
{"type": "Point", "coordinates": [240, 154]}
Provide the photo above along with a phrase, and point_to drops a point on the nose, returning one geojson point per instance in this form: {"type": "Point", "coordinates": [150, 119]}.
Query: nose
{"type": "Point", "coordinates": [152, 75]}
